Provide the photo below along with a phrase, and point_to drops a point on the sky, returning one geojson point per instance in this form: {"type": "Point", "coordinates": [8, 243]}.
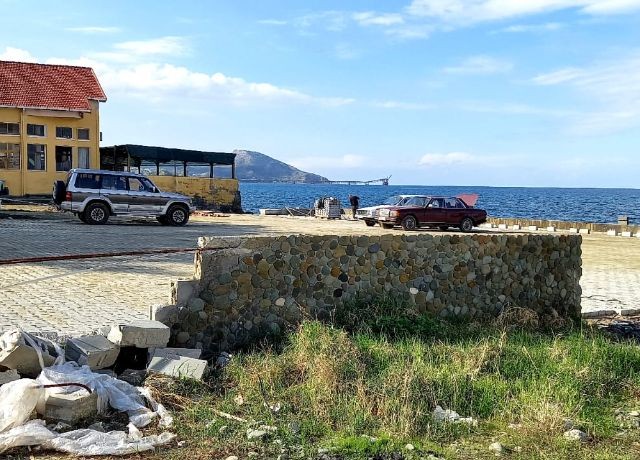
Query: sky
{"type": "Point", "coordinates": [542, 93]}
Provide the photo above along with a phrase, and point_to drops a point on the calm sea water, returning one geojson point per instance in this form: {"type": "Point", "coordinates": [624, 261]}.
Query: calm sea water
{"type": "Point", "coordinates": [571, 204]}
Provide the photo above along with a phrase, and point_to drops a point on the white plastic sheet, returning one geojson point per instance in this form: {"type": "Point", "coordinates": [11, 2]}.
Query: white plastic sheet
{"type": "Point", "coordinates": [18, 399]}
{"type": "Point", "coordinates": [81, 442]}
{"type": "Point", "coordinates": [112, 392]}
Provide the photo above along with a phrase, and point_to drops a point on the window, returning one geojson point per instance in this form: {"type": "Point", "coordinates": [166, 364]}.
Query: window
{"type": "Point", "coordinates": [84, 180]}
{"type": "Point", "coordinates": [63, 158]}
{"type": "Point", "coordinates": [35, 130]}
{"type": "Point", "coordinates": [112, 182]}
{"type": "Point", "coordinates": [10, 128]}
{"type": "Point", "coordinates": [83, 134]}
{"type": "Point", "coordinates": [9, 156]}
{"type": "Point", "coordinates": [36, 157]}
{"type": "Point", "coordinates": [83, 157]}
{"type": "Point", "coordinates": [63, 132]}
{"type": "Point", "coordinates": [138, 184]}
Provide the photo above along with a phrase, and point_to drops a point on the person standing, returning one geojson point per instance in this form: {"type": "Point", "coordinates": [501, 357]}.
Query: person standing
{"type": "Point", "coordinates": [355, 202]}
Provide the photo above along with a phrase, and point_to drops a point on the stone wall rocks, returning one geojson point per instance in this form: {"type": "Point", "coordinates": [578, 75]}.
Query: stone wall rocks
{"type": "Point", "coordinates": [249, 288]}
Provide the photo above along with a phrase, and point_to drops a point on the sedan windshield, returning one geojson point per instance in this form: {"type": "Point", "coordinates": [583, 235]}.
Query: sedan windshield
{"type": "Point", "coordinates": [393, 200]}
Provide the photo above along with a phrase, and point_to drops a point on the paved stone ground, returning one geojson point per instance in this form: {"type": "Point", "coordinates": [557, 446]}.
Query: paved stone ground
{"type": "Point", "coordinates": [78, 296]}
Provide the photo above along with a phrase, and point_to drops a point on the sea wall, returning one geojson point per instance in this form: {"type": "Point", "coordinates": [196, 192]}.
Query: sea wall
{"type": "Point", "coordinates": [207, 193]}
{"type": "Point", "coordinates": [247, 288]}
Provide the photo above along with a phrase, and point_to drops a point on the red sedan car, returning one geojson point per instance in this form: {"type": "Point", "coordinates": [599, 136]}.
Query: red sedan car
{"type": "Point", "coordinates": [435, 211]}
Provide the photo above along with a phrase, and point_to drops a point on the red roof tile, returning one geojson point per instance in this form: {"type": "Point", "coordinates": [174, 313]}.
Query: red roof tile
{"type": "Point", "coordinates": [55, 87]}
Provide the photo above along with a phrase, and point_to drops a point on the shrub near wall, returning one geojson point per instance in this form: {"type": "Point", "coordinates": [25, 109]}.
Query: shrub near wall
{"type": "Point", "coordinates": [248, 288]}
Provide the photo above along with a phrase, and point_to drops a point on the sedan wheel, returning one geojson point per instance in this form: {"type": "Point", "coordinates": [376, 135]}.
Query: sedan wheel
{"type": "Point", "coordinates": [409, 223]}
{"type": "Point", "coordinates": [370, 223]}
{"type": "Point", "coordinates": [466, 225]}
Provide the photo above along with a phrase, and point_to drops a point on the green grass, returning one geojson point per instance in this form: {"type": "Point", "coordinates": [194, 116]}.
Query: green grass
{"type": "Point", "coordinates": [382, 378]}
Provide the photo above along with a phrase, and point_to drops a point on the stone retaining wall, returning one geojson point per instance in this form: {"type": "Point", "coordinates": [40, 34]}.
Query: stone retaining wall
{"type": "Point", "coordinates": [247, 288]}
{"type": "Point", "coordinates": [563, 225]}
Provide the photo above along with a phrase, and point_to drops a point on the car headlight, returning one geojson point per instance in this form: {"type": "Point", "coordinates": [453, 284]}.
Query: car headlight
{"type": "Point", "coordinates": [393, 214]}
{"type": "Point", "coordinates": [384, 212]}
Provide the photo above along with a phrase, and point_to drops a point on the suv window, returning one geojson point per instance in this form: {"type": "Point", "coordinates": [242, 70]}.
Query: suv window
{"type": "Point", "coordinates": [140, 184]}
{"type": "Point", "coordinates": [86, 180]}
{"type": "Point", "coordinates": [113, 182]}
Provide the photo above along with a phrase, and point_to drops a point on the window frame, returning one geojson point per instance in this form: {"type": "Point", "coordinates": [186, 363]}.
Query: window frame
{"type": "Point", "coordinates": [7, 123]}
{"type": "Point", "coordinates": [64, 127]}
{"type": "Point", "coordinates": [6, 154]}
{"type": "Point", "coordinates": [70, 153]}
{"type": "Point", "coordinates": [83, 129]}
{"type": "Point", "coordinates": [44, 130]}
{"type": "Point", "coordinates": [88, 150]}
{"type": "Point", "coordinates": [37, 153]}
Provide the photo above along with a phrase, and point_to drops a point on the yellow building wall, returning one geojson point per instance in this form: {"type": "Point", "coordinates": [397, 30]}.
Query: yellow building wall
{"type": "Point", "coordinates": [29, 182]}
{"type": "Point", "coordinates": [212, 192]}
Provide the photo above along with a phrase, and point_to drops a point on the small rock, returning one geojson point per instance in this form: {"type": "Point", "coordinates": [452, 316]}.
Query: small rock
{"type": "Point", "coordinates": [61, 426]}
{"type": "Point", "coordinates": [253, 434]}
{"type": "Point", "coordinates": [409, 447]}
{"type": "Point", "coordinates": [496, 447]}
{"type": "Point", "coordinates": [238, 399]}
{"type": "Point", "coordinates": [231, 457]}
{"type": "Point", "coordinates": [634, 413]}
{"type": "Point", "coordinates": [98, 426]}
{"type": "Point", "coordinates": [181, 443]}
{"type": "Point", "coordinates": [568, 424]}
{"type": "Point", "coordinates": [322, 450]}
{"type": "Point", "coordinates": [294, 427]}
{"type": "Point", "coordinates": [576, 435]}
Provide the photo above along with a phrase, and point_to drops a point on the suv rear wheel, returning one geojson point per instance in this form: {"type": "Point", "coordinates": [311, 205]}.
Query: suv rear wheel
{"type": "Point", "coordinates": [177, 215]}
{"type": "Point", "coordinates": [59, 191]}
{"type": "Point", "coordinates": [96, 214]}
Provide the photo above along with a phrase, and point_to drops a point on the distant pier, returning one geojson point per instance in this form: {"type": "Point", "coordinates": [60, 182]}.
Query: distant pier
{"type": "Point", "coordinates": [383, 181]}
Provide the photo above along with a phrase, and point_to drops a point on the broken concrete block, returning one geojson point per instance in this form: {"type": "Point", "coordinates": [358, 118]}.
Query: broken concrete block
{"type": "Point", "coordinates": [551, 228]}
{"type": "Point", "coordinates": [573, 230]}
{"type": "Point", "coordinates": [175, 352]}
{"type": "Point", "coordinates": [166, 314]}
{"type": "Point", "coordinates": [93, 350]}
{"type": "Point", "coordinates": [8, 376]}
{"type": "Point", "coordinates": [140, 334]}
{"type": "Point", "coordinates": [69, 408]}
{"type": "Point", "coordinates": [178, 366]}
{"type": "Point", "coordinates": [626, 234]}
{"type": "Point", "coordinates": [16, 354]}
{"type": "Point", "coordinates": [612, 233]}
{"type": "Point", "coordinates": [584, 231]}
{"type": "Point", "coordinates": [533, 228]}
{"type": "Point", "coordinates": [516, 227]}
{"type": "Point", "coordinates": [182, 291]}
{"type": "Point", "coordinates": [502, 226]}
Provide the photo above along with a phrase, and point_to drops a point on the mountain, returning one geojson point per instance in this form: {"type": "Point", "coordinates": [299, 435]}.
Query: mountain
{"type": "Point", "coordinates": [258, 167]}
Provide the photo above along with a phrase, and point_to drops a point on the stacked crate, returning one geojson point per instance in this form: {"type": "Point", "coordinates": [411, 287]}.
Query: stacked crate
{"type": "Point", "coordinates": [328, 208]}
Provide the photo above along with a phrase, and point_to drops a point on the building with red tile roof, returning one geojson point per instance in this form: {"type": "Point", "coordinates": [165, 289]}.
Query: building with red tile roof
{"type": "Point", "coordinates": [49, 123]}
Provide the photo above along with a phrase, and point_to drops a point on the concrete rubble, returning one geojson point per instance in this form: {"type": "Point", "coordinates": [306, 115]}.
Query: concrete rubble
{"type": "Point", "coordinates": [17, 354]}
{"type": "Point", "coordinates": [140, 334]}
{"type": "Point", "coordinates": [69, 408]}
{"type": "Point", "coordinates": [8, 375]}
{"type": "Point", "coordinates": [95, 351]}
{"type": "Point", "coordinates": [176, 364]}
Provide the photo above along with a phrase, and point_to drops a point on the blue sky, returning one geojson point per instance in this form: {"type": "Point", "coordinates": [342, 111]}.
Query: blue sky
{"type": "Point", "coordinates": [433, 92]}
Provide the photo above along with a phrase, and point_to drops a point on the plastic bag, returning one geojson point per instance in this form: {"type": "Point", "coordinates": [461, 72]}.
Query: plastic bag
{"type": "Point", "coordinates": [18, 399]}
{"type": "Point", "coordinates": [112, 392]}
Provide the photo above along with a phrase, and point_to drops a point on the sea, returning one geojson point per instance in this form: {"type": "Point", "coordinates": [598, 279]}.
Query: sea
{"type": "Point", "coordinates": [600, 205]}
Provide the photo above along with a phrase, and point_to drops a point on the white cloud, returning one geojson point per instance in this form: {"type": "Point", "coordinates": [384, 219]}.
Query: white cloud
{"type": "Point", "coordinates": [533, 28]}
{"type": "Point", "coordinates": [94, 30]}
{"type": "Point", "coordinates": [613, 84]}
{"type": "Point", "coordinates": [399, 105]}
{"type": "Point", "coordinates": [473, 11]}
{"type": "Point", "coordinates": [480, 65]}
{"type": "Point", "coordinates": [272, 22]}
{"type": "Point", "coordinates": [17, 54]}
{"type": "Point", "coordinates": [369, 18]}
{"type": "Point", "coordinates": [447, 159]}
{"type": "Point", "coordinates": [170, 46]}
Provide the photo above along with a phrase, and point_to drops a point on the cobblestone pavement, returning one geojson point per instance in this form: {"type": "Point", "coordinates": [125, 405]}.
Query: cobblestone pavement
{"type": "Point", "coordinates": [78, 296]}
{"type": "Point", "coordinates": [69, 297]}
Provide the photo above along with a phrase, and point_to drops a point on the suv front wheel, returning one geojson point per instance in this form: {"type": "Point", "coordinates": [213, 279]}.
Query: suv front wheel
{"type": "Point", "coordinates": [177, 215]}
{"type": "Point", "coordinates": [96, 214]}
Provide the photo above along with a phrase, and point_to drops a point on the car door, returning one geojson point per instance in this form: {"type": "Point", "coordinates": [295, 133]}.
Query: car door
{"type": "Point", "coordinates": [144, 198]}
{"type": "Point", "coordinates": [453, 211]}
{"type": "Point", "coordinates": [114, 189]}
{"type": "Point", "coordinates": [434, 212]}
